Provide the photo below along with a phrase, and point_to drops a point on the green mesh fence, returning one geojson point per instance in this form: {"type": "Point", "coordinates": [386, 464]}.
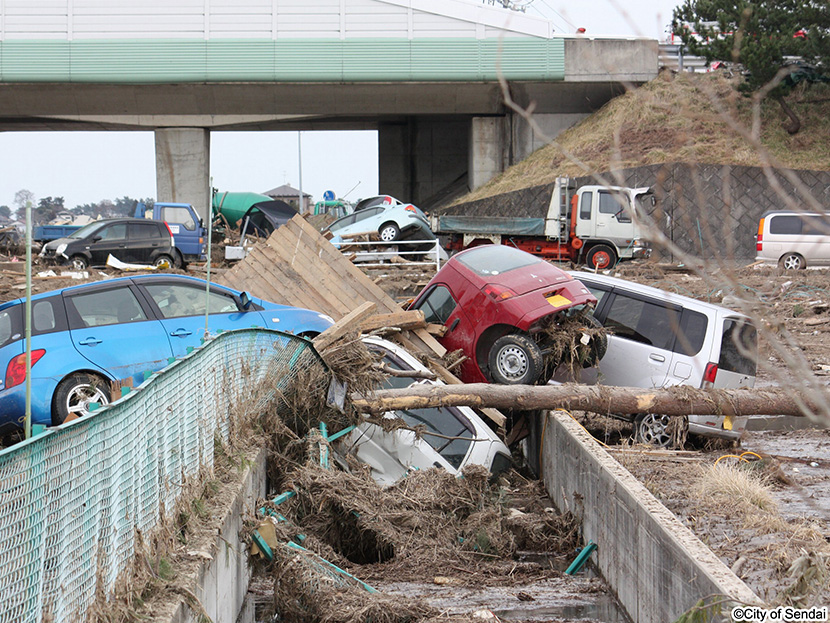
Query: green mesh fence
{"type": "Point", "coordinates": [72, 498]}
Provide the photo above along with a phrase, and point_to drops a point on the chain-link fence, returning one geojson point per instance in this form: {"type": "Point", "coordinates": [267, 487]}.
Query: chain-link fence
{"type": "Point", "coordinates": [72, 499]}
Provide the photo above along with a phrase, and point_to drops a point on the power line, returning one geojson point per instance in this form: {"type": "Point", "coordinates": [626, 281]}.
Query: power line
{"type": "Point", "coordinates": [562, 17]}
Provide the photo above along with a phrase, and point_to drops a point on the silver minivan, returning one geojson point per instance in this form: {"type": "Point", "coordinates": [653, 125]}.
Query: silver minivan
{"type": "Point", "coordinates": [793, 240]}
{"type": "Point", "coordinates": [658, 338]}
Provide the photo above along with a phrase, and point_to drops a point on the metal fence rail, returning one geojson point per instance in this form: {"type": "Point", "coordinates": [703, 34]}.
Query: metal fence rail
{"type": "Point", "coordinates": [72, 499]}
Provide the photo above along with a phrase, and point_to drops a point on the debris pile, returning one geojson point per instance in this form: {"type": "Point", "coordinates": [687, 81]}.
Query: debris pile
{"type": "Point", "coordinates": [429, 524]}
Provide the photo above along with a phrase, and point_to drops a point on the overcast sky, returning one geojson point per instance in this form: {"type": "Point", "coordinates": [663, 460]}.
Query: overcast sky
{"type": "Point", "coordinates": [86, 167]}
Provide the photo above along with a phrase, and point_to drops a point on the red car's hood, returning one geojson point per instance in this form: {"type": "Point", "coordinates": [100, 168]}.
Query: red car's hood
{"type": "Point", "coordinates": [527, 279]}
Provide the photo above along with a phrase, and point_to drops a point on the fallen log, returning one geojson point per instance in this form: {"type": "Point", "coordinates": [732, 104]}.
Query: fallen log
{"type": "Point", "coordinates": [678, 400]}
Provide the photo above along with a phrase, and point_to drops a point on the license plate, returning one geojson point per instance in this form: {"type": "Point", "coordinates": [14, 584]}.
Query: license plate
{"type": "Point", "coordinates": [727, 422]}
{"type": "Point", "coordinates": [558, 300]}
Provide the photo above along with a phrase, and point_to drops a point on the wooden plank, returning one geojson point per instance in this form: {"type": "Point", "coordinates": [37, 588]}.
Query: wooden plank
{"type": "Point", "coordinates": [293, 248]}
{"type": "Point", "coordinates": [348, 323]}
{"type": "Point", "coordinates": [297, 248]}
{"type": "Point", "coordinates": [269, 266]}
{"type": "Point", "coordinates": [260, 270]}
{"type": "Point", "coordinates": [438, 330]}
{"type": "Point", "coordinates": [362, 284]}
{"type": "Point", "coordinates": [412, 319]}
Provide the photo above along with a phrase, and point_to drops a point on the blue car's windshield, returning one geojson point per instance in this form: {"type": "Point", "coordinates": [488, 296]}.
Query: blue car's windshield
{"type": "Point", "coordinates": [87, 230]}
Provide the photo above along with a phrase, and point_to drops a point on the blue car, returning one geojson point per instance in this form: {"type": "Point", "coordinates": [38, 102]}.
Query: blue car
{"type": "Point", "coordinates": [86, 337]}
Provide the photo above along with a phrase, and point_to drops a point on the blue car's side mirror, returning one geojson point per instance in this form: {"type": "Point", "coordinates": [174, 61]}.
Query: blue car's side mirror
{"type": "Point", "coordinates": [245, 299]}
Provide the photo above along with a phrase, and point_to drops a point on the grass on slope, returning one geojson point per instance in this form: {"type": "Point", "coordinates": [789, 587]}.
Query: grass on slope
{"type": "Point", "coordinates": [677, 119]}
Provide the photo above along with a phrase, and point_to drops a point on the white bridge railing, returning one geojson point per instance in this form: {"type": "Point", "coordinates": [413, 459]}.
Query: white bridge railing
{"type": "Point", "coordinates": [381, 254]}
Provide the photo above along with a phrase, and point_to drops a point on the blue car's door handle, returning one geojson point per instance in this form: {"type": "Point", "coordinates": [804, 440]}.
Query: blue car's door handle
{"type": "Point", "coordinates": [180, 333]}
{"type": "Point", "coordinates": [90, 341]}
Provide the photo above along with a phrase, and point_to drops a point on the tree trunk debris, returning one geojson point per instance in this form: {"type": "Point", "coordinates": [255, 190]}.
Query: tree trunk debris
{"type": "Point", "coordinates": [678, 400]}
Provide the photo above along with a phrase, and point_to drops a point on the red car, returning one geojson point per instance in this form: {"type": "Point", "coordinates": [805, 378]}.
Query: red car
{"type": "Point", "coordinates": [498, 303]}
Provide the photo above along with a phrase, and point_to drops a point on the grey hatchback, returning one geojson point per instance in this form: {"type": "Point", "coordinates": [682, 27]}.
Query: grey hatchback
{"type": "Point", "coordinates": [138, 241]}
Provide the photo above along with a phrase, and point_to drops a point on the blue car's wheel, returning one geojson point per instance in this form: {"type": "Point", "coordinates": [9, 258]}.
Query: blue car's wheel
{"type": "Point", "coordinates": [75, 392]}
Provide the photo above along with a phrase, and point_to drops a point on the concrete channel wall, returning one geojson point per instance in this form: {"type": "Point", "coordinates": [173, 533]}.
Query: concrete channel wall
{"type": "Point", "coordinates": [221, 583]}
{"type": "Point", "coordinates": [655, 565]}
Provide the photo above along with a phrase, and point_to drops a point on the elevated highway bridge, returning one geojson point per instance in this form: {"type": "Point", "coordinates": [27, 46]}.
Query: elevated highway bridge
{"type": "Point", "coordinates": [424, 73]}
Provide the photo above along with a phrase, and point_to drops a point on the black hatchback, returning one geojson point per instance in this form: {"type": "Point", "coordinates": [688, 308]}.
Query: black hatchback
{"type": "Point", "coordinates": [134, 241]}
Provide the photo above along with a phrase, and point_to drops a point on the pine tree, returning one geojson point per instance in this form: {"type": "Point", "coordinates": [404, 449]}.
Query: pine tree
{"type": "Point", "coordinates": [776, 43]}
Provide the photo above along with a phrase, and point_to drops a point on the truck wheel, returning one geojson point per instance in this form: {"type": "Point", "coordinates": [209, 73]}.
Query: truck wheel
{"type": "Point", "coordinates": [389, 232]}
{"type": "Point", "coordinates": [78, 262]}
{"type": "Point", "coordinates": [792, 261]}
{"type": "Point", "coordinates": [515, 360]}
{"type": "Point", "coordinates": [601, 257]}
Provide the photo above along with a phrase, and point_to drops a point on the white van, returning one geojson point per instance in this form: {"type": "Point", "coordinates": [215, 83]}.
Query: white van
{"type": "Point", "coordinates": [450, 437]}
{"type": "Point", "coordinates": [658, 338]}
{"type": "Point", "coordinates": [793, 239]}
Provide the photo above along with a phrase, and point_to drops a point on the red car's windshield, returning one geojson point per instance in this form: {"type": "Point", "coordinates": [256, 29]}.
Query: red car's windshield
{"type": "Point", "coordinates": [495, 259]}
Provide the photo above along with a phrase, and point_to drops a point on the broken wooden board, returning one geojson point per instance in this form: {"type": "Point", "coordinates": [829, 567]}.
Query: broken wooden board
{"type": "Point", "coordinates": [297, 266]}
{"type": "Point", "coordinates": [411, 319]}
{"type": "Point", "coordinates": [350, 323]}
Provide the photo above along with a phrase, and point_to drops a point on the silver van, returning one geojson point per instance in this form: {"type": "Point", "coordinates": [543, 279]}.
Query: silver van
{"type": "Point", "coordinates": [793, 240]}
{"type": "Point", "coordinates": [658, 338]}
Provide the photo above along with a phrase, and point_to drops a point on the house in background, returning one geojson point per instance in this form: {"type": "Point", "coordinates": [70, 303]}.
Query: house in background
{"type": "Point", "coordinates": [290, 195]}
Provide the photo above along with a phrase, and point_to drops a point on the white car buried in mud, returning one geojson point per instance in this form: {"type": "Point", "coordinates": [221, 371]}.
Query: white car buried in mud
{"type": "Point", "coordinates": [451, 437]}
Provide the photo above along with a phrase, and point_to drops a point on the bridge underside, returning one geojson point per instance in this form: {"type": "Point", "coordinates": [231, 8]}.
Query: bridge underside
{"type": "Point", "coordinates": [435, 138]}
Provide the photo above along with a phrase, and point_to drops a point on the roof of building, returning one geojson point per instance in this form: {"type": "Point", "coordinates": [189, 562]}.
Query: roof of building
{"type": "Point", "coordinates": [284, 191]}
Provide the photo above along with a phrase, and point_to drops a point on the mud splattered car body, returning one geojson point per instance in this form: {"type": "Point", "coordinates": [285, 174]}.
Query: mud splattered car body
{"type": "Point", "coordinates": [498, 305]}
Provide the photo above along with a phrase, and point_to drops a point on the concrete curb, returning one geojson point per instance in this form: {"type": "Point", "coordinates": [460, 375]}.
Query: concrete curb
{"type": "Point", "coordinates": [221, 583]}
{"type": "Point", "coordinates": [656, 566]}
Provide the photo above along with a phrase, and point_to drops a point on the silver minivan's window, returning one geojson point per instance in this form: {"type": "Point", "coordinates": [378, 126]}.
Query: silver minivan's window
{"type": "Point", "coordinates": [642, 321]}
{"type": "Point", "coordinates": [692, 333]}
{"type": "Point", "coordinates": [739, 348]}
{"type": "Point", "coordinates": [800, 225]}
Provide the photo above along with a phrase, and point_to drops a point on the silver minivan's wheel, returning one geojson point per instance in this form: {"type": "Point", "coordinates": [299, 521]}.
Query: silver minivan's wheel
{"type": "Point", "coordinates": [74, 394]}
{"type": "Point", "coordinates": [389, 232]}
{"type": "Point", "coordinates": [515, 360]}
{"type": "Point", "coordinates": [655, 429]}
{"type": "Point", "coordinates": [792, 261]}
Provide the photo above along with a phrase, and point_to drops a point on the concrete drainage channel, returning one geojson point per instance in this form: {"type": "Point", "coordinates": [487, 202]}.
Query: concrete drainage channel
{"type": "Point", "coordinates": [655, 566]}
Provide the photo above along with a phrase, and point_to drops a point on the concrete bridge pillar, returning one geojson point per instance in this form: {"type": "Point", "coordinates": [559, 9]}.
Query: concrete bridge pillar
{"type": "Point", "coordinates": [489, 150]}
{"type": "Point", "coordinates": [420, 158]}
{"type": "Point", "coordinates": [183, 167]}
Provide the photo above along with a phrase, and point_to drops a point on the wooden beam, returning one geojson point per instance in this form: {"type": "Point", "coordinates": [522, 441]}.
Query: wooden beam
{"type": "Point", "coordinates": [413, 319]}
{"type": "Point", "coordinates": [348, 323]}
